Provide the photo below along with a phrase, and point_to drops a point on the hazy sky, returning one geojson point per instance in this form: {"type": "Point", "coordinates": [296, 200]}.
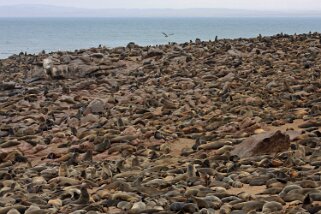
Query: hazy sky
{"type": "Point", "coordinates": [235, 4]}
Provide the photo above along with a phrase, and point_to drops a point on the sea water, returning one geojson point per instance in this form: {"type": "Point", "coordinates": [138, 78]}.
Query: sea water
{"type": "Point", "coordinates": [33, 35]}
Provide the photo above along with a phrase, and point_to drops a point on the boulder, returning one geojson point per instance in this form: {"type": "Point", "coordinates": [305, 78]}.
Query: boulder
{"type": "Point", "coordinates": [265, 143]}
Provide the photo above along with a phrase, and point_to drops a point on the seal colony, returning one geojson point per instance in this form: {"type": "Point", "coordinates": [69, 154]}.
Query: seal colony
{"type": "Point", "coordinates": [224, 126]}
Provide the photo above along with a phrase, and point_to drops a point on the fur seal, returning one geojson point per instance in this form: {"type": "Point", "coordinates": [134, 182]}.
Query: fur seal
{"type": "Point", "coordinates": [272, 207]}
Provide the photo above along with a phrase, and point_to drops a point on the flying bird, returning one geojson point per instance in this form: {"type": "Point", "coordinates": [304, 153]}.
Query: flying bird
{"type": "Point", "coordinates": [167, 35]}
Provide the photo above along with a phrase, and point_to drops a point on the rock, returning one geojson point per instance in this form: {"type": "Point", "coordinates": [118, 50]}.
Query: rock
{"type": "Point", "coordinates": [265, 143]}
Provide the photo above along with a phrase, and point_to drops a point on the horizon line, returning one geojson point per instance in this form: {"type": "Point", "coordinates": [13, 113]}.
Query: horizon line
{"type": "Point", "coordinates": [157, 17]}
{"type": "Point", "coordinates": [163, 8]}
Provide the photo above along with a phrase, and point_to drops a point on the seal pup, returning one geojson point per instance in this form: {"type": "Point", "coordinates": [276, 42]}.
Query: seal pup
{"type": "Point", "coordinates": [191, 170]}
{"type": "Point", "coordinates": [63, 170]}
{"type": "Point", "coordinates": [88, 157]}
{"type": "Point", "coordinates": [106, 171]}
{"type": "Point", "coordinates": [73, 159]}
{"type": "Point", "coordinates": [100, 148]}
{"type": "Point", "coordinates": [309, 206]}
{"type": "Point", "coordinates": [84, 196]}
{"type": "Point", "coordinates": [272, 207]}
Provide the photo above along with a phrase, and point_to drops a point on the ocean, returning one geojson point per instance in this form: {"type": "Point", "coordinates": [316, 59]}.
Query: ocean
{"type": "Point", "coordinates": [33, 35]}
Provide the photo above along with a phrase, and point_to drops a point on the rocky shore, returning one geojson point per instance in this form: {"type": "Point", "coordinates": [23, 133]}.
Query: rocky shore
{"type": "Point", "coordinates": [224, 126]}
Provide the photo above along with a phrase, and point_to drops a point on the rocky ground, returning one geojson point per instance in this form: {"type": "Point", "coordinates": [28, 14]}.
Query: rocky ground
{"type": "Point", "coordinates": [225, 126]}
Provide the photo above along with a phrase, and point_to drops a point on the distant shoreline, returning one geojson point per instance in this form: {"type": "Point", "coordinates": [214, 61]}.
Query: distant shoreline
{"type": "Point", "coordinates": [56, 11]}
{"type": "Point", "coordinates": [152, 45]}
{"type": "Point", "coordinates": [181, 17]}
{"type": "Point", "coordinates": [52, 34]}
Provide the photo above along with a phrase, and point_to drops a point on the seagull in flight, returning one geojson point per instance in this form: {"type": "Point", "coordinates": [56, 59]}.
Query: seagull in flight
{"type": "Point", "coordinates": [167, 35]}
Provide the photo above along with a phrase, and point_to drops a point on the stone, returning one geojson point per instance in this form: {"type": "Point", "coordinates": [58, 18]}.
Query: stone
{"type": "Point", "coordinates": [265, 143]}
